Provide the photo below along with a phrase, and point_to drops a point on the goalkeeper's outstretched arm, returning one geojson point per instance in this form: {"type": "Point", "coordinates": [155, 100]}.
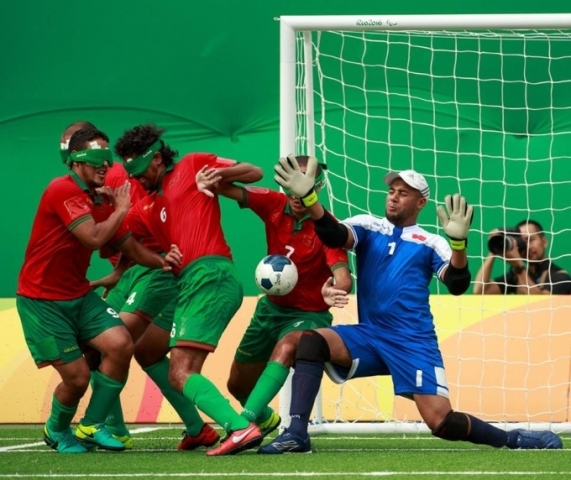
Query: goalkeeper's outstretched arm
{"type": "Point", "coordinates": [456, 219]}
{"type": "Point", "coordinates": [288, 174]}
{"type": "Point", "coordinates": [456, 276]}
{"type": "Point", "coordinates": [331, 233]}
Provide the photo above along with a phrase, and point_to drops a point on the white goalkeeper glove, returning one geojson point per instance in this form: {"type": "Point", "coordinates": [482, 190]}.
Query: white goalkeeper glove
{"type": "Point", "coordinates": [300, 184]}
{"type": "Point", "coordinates": [456, 221]}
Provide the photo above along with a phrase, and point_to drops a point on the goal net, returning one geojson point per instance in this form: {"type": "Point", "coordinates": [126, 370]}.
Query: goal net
{"type": "Point", "coordinates": [479, 105]}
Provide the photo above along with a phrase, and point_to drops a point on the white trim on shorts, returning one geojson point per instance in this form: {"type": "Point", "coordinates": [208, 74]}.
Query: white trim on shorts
{"type": "Point", "coordinates": [334, 375]}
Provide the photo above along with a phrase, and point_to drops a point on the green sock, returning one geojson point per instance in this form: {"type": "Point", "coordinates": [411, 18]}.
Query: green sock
{"type": "Point", "coordinates": [115, 422]}
{"type": "Point", "coordinates": [106, 391]}
{"type": "Point", "coordinates": [264, 416]}
{"type": "Point", "coordinates": [204, 394]}
{"type": "Point", "coordinates": [159, 373]}
{"type": "Point", "coordinates": [267, 386]}
{"type": "Point", "coordinates": [61, 416]}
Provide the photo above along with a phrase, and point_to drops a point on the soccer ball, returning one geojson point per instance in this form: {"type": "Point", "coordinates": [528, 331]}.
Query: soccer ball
{"type": "Point", "coordinates": [276, 275]}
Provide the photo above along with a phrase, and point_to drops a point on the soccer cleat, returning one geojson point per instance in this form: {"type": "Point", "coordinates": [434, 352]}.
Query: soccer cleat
{"type": "Point", "coordinates": [206, 438]}
{"type": "Point", "coordinates": [287, 443]}
{"type": "Point", "coordinates": [270, 424]}
{"type": "Point", "coordinates": [238, 441]}
{"type": "Point", "coordinates": [99, 436]}
{"type": "Point", "coordinates": [63, 442]}
{"type": "Point", "coordinates": [528, 440]}
{"type": "Point", "coordinates": [126, 440]}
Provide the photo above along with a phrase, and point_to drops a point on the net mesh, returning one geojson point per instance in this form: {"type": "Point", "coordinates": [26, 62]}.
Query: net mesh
{"type": "Point", "coordinates": [484, 113]}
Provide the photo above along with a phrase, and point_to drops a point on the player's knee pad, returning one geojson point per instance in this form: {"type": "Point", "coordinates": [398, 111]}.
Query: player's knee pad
{"type": "Point", "coordinates": [312, 348]}
{"type": "Point", "coordinates": [454, 427]}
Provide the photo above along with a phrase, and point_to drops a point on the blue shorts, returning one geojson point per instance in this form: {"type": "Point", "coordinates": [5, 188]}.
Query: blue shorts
{"type": "Point", "coordinates": [415, 366]}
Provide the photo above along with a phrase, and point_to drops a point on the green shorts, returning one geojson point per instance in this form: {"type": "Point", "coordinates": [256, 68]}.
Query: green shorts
{"type": "Point", "coordinates": [270, 323]}
{"type": "Point", "coordinates": [149, 293]}
{"type": "Point", "coordinates": [54, 329]}
{"type": "Point", "coordinates": [210, 294]}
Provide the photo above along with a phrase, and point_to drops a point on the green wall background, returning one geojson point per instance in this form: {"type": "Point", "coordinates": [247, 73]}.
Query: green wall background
{"type": "Point", "coordinates": [209, 75]}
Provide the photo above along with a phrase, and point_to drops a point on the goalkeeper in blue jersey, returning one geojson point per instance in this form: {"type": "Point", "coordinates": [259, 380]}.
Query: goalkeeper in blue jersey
{"type": "Point", "coordinates": [396, 260]}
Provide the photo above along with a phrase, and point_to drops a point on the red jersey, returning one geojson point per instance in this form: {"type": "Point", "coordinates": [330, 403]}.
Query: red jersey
{"type": "Point", "coordinates": [285, 234]}
{"type": "Point", "coordinates": [177, 213]}
{"type": "Point", "coordinates": [56, 262]}
{"type": "Point", "coordinates": [114, 178]}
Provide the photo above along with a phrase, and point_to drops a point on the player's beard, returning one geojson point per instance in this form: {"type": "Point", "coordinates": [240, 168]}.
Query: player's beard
{"type": "Point", "coordinates": [398, 218]}
{"type": "Point", "coordinates": [393, 218]}
{"type": "Point", "coordinates": [97, 183]}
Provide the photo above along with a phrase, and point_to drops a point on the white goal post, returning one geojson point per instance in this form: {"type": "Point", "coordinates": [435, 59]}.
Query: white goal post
{"type": "Point", "coordinates": [474, 102]}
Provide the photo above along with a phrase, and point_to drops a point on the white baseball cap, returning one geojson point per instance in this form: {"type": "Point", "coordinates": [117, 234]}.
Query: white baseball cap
{"type": "Point", "coordinates": [412, 179]}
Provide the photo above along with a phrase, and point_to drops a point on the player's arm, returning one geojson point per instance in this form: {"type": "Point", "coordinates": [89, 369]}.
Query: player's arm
{"type": "Point", "coordinates": [456, 220]}
{"type": "Point", "coordinates": [208, 182]}
{"type": "Point", "coordinates": [457, 279]}
{"type": "Point", "coordinates": [143, 256]}
{"type": "Point", "coordinates": [332, 296]}
{"type": "Point", "coordinates": [336, 288]}
{"type": "Point", "coordinates": [342, 277]}
{"type": "Point", "coordinates": [110, 281]}
{"type": "Point", "coordinates": [211, 181]}
{"type": "Point", "coordinates": [94, 235]}
{"type": "Point", "coordinates": [338, 262]}
{"type": "Point", "coordinates": [233, 192]}
{"type": "Point", "coordinates": [107, 251]}
{"type": "Point", "coordinates": [330, 231]}
{"type": "Point", "coordinates": [240, 172]}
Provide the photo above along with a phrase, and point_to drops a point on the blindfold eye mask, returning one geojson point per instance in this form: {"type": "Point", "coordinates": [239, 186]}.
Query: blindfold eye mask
{"type": "Point", "coordinates": [95, 157]}
{"type": "Point", "coordinates": [138, 166]}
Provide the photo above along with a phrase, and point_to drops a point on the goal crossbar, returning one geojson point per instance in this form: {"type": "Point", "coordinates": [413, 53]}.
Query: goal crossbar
{"type": "Point", "coordinates": [522, 21]}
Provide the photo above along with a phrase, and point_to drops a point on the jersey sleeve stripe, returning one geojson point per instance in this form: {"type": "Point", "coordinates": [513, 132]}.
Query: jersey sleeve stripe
{"type": "Point", "coordinates": [439, 273]}
{"type": "Point", "coordinates": [122, 240]}
{"type": "Point", "coordinates": [339, 265]}
{"type": "Point", "coordinates": [355, 237]}
{"type": "Point", "coordinates": [245, 202]}
{"type": "Point", "coordinates": [79, 221]}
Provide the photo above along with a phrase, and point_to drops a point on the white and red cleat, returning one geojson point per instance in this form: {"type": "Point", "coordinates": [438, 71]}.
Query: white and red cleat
{"type": "Point", "coordinates": [238, 441]}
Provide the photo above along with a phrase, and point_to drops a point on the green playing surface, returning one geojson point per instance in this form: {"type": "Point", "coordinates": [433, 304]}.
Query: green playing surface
{"type": "Point", "coordinates": [23, 455]}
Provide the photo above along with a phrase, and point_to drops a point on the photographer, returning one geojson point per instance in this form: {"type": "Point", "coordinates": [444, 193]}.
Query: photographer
{"type": "Point", "coordinates": [525, 243]}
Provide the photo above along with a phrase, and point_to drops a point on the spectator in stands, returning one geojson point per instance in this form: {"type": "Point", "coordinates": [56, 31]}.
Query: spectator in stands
{"type": "Point", "coordinates": [530, 273]}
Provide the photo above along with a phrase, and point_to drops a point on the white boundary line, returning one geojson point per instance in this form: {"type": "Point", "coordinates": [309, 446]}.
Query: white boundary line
{"type": "Point", "coordinates": [37, 444]}
{"type": "Point", "coordinates": [19, 447]}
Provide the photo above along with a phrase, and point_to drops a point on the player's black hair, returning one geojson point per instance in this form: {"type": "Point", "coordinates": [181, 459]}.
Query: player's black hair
{"type": "Point", "coordinates": [135, 141]}
{"type": "Point", "coordinates": [302, 162]}
{"type": "Point", "coordinates": [79, 139]}
{"type": "Point", "coordinates": [75, 126]}
{"type": "Point", "coordinates": [537, 225]}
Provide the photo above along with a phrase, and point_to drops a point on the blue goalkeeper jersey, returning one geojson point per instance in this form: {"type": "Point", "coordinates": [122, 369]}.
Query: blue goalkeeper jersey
{"type": "Point", "coordinates": [394, 269]}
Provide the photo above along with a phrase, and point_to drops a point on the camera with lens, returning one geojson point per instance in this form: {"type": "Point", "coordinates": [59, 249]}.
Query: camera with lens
{"type": "Point", "coordinates": [505, 240]}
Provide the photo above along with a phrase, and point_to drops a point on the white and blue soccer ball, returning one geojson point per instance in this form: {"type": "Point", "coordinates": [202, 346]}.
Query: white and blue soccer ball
{"type": "Point", "coordinates": [276, 275]}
